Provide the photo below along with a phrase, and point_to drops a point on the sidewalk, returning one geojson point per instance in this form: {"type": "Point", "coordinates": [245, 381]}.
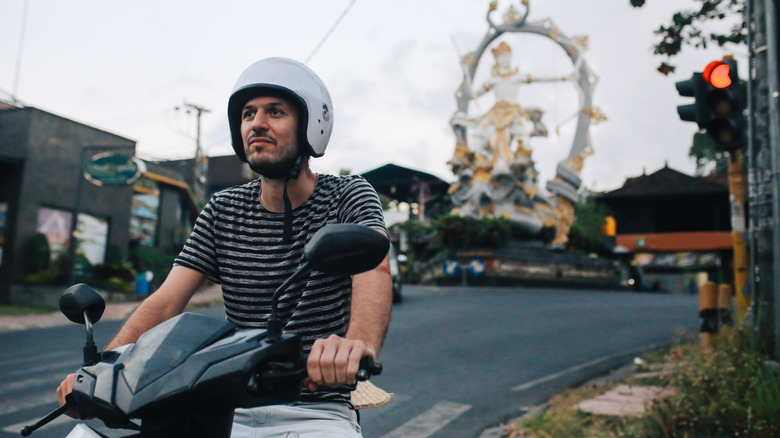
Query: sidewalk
{"type": "Point", "coordinates": [113, 312]}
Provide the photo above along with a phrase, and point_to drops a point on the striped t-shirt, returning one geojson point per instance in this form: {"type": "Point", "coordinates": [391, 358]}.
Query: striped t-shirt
{"type": "Point", "coordinates": [238, 243]}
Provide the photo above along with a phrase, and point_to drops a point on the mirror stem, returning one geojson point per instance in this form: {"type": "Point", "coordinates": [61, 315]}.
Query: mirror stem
{"type": "Point", "coordinates": [90, 349]}
{"type": "Point", "coordinates": [274, 323]}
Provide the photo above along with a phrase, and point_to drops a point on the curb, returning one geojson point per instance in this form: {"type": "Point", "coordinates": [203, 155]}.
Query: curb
{"type": "Point", "coordinates": [114, 312]}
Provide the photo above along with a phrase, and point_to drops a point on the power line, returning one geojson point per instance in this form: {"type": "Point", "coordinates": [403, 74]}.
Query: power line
{"type": "Point", "coordinates": [19, 52]}
{"type": "Point", "coordinates": [335, 25]}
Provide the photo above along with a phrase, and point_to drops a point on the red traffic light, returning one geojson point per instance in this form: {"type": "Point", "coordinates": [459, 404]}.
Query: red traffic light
{"type": "Point", "coordinates": [717, 74]}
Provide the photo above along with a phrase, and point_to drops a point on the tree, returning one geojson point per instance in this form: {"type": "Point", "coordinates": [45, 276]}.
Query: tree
{"type": "Point", "coordinates": [693, 28]}
{"type": "Point", "coordinates": [709, 160]}
{"type": "Point", "coordinates": [587, 231]}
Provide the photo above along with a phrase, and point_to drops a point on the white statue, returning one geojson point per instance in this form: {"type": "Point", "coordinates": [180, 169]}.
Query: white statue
{"type": "Point", "coordinates": [496, 175]}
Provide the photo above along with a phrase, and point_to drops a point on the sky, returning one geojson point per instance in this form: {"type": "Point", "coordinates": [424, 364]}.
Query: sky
{"type": "Point", "coordinates": [392, 68]}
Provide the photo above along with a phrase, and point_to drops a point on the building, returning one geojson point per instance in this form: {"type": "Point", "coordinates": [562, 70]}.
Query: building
{"type": "Point", "coordinates": [222, 172]}
{"type": "Point", "coordinates": [675, 227]}
{"type": "Point", "coordinates": [41, 187]}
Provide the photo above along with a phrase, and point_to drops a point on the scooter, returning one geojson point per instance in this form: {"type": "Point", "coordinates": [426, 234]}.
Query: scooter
{"type": "Point", "coordinates": [184, 377]}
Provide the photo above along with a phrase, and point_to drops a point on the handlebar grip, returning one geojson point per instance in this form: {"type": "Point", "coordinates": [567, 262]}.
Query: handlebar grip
{"type": "Point", "coordinates": [368, 368]}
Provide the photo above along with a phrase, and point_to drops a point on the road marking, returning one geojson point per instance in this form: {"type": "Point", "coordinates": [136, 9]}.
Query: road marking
{"type": "Point", "coordinates": [52, 381]}
{"type": "Point", "coordinates": [39, 357]}
{"type": "Point", "coordinates": [17, 405]}
{"type": "Point", "coordinates": [574, 369]}
{"type": "Point", "coordinates": [71, 367]}
{"type": "Point", "coordinates": [17, 428]}
{"type": "Point", "coordinates": [430, 421]}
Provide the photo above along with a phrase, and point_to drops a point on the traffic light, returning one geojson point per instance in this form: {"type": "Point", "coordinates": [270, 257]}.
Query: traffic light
{"type": "Point", "coordinates": [695, 112]}
{"type": "Point", "coordinates": [724, 104]}
{"type": "Point", "coordinates": [718, 103]}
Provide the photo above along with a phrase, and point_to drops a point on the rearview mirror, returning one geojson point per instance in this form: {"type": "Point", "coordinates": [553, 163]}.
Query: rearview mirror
{"type": "Point", "coordinates": [80, 298]}
{"type": "Point", "coordinates": [346, 249]}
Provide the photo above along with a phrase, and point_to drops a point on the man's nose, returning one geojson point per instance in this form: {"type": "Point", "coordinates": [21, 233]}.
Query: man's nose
{"type": "Point", "coordinates": [260, 122]}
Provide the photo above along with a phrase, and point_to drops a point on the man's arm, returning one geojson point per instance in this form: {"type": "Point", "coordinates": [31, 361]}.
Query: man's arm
{"type": "Point", "coordinates": [335, 360]}
{"type": "Point", "coordinates": [372, 303]}
{"type": "Point", "coordinates": [165, 303]}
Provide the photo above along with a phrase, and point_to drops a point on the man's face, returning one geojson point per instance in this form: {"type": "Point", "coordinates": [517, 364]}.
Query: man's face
{"type": "Point", "coordinates": [269, 127]}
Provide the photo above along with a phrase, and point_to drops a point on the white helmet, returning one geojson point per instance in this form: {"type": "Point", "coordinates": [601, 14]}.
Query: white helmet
{"type": "Point", "coordinates": [299, 82]}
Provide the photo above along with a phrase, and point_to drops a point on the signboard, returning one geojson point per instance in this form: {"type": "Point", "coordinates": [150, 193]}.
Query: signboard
{"type": "Point", "coordinates": [111, 168]}
{"type": "Point", "coordinates": [451, 267]}
{"type": "Point", "coordinates": [476, 267]}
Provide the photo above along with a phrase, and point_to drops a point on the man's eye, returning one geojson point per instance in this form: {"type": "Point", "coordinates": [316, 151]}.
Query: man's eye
{"type": "Point", "coordinates": [248, 114]}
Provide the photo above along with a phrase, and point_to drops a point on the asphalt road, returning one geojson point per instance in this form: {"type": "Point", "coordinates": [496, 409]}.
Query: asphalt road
{"type": "Point", "coordinates": [458, 360]}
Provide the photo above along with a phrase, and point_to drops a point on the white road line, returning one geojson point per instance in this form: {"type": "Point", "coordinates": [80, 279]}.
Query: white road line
{"type": "Point", "coordinates": [53, 381]}
{"type": "Point", "coordinates": [17, 428]}
{"type": "Point", "coordinates": [51, 366]}
{"type": "Point", "coordinates": [17, 405]}
{"type": "Point", "coordinates": [430, 421]}
{"type": "Point", "coordinates": [47, 357]}
{"type": "Point", "coordinates": [574, 369]}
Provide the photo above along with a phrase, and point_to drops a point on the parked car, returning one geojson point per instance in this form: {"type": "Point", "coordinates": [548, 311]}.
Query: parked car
{"type": "Point", "coordinates": [395, 273]}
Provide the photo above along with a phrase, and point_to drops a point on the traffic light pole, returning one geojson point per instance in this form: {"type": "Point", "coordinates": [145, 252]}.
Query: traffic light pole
{"type": "Point", "coordinates": [736, 177]}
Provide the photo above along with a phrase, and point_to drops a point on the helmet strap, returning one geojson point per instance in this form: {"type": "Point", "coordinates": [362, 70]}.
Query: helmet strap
{"type": "Point", "coordinates": [288, 216]}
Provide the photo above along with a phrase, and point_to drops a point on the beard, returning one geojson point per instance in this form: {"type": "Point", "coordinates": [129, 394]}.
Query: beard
{"type": "Point", "coordinates": [275, 169]}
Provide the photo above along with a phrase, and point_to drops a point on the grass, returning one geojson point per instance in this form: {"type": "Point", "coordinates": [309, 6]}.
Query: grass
{"type": "Point", "coordinates": [730, 390]}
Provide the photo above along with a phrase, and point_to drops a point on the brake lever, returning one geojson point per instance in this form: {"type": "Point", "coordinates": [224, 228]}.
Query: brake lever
{"type": "Point", "coordinates": [69, 403]}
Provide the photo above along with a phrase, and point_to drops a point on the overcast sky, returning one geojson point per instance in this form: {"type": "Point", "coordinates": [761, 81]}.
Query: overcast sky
{"type": "Point", "coordinates": [391, 67]}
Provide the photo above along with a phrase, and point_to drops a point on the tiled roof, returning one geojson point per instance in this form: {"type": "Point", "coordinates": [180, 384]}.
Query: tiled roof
{"type": "Point", "coordinates": [668, 181]}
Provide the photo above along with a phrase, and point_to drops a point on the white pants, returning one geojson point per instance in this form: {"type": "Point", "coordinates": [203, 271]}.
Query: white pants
{"type": "Point", "coordinates": [306, 420]}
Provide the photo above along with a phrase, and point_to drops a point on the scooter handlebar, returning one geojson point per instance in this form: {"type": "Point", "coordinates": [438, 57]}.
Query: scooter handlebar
{"type": "Point", "coordinates": [368, 368]}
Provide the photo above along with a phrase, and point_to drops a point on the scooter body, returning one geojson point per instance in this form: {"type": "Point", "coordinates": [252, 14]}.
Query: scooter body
{"type": "Point", "coordinates": [191, 372]}
{"type": "Point", "coordinates": [184, 377]}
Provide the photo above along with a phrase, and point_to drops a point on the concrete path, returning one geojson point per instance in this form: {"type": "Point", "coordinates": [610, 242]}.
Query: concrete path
{"type": "Point", "coordinates": [114, 311]}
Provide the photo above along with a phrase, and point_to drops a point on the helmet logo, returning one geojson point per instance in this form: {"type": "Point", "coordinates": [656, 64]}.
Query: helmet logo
{"type": "Point", "coordinates": [325, 112]}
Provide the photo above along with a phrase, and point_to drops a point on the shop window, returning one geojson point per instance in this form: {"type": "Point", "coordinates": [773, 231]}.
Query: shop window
{"type": "Point", "coordinates": [144, 218]}
{"type": "Point", "coordinates": [55, 224]}
{"type": "Point", "coordinates": [92, 233]}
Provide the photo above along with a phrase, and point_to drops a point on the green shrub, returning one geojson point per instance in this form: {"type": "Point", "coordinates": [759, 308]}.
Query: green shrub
{"type": "Point", "coordinates": [125, 273]}
{"type": "Point", "coordinates": [158, 264]}
{"type": "Point", "coordinates": [37, 254]}
{"type": "Point", "coordinates": [55, 273]}
{"type": "Point", "coordinates": [456, 232]}
{"type": "Point", "coordinates": [113, 255]}
{"type": "Point", "coordinates": [729, 391]}
{"type": "Point", "coordinates": [587, 231]}
{"type": "Point", "coordinates": [40, 278]}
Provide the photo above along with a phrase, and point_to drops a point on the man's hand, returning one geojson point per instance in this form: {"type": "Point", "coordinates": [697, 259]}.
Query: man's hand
{"type": "Point", "coordinates": [65, 388]}
{"type": "Point", "coordinates": [335, 361]}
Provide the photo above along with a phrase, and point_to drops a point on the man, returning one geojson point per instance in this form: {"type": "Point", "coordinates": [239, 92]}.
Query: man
{"type": "Point", "coordinates": [250, 238]}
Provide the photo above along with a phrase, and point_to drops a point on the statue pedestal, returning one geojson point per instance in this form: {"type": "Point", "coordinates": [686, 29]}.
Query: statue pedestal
{"type": "Point", "coordinates": [526, 265]}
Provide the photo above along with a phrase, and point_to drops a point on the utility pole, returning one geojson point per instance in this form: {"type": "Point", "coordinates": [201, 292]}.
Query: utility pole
{"type": "Point", "coordinates": [763, 177]}
{"type": "Point", "coordinates": [200, 167]}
